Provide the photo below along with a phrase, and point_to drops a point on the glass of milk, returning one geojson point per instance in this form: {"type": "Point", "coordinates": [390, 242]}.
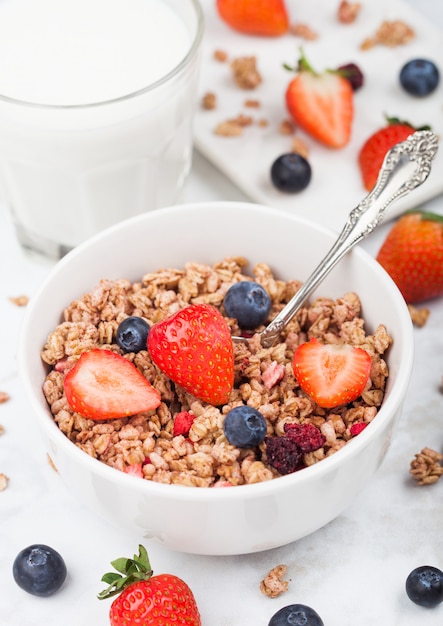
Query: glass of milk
{"type": "Point", "coordinates": [96, 107]}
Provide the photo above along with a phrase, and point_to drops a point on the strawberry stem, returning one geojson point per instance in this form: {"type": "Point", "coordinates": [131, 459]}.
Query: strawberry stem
{"type": "Point", "coordinates": [128, 572]}
{"type": "Point", "coordinates": [426, 215]}
{"type": "Point", "coordinates": [397, 120]}
{"type": "Point", "coordinates": [303, 64]}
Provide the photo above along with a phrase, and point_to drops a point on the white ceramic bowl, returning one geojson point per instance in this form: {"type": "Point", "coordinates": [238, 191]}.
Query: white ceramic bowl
{"type": "Point", "coordinates": [241, 519]}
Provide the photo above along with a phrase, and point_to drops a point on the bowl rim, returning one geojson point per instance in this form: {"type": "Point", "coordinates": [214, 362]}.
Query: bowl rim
{"type": "Point", "coordinates": [386, 413]}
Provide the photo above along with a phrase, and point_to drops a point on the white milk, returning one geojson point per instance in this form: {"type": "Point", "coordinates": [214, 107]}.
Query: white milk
{"type": "Point", "coordinates": [68, 170]}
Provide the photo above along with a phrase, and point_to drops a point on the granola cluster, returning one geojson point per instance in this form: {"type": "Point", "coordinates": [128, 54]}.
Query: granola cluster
{"type": "Point", "coordinates": [391, 34]}
{"type": "Point", "coordinates": [144, 444]}
{"type": "Point", "coordinates": [273, 584]}
{"type": "Point", "coordinates": [425, 466]}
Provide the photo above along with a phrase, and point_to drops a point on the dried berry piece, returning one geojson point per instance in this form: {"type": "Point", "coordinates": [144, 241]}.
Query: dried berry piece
{"type": "Point", "coordinates": [357, 428]}
{"type": "Point", "coordinates": [353, 74]}
{"type": "Point", "coordinates": [307, 436]}
{"type": "Point", "coordinates": [283, 454]}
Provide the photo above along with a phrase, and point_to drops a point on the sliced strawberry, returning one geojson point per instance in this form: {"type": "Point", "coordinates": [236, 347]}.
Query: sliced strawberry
{"type": "Point", "coordinates": [331, 374]}
{"type": "Point", "coordinates": [104, 385]}
{"type": "Point", "coordinates": [373, 151]}
{"type": "Point", "coordinates": [194, 348]}
{"type": "Point", "coordinates": [255, 17]}
{"type": "Point", "coordinates": [321, 104]}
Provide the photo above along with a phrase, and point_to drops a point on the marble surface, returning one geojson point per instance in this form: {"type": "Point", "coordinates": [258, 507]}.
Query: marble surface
{"type": "Point", "coordinates": [352, 571]}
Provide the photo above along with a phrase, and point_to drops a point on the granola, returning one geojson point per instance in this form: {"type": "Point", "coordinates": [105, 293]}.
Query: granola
{"type": "Point", "coordinates": [348, 11]}
{"type": "Point", "coordinates": [391, 34]}
{"type": "Point", "coordinates": [273, 584]}
{"type": "Point", "coordinates": [209, 101]}
{"type": "Point", "coordinates": [304, 32]}
{"type": "Point", "coordinates": [144, 444]}
{"type": "Point", "coordinates": [425, 466]}
{"type": "Point", "coordinates": [245, 72]}
{"type": "Point", "coordinates": [3, 482]}
{"type": "Point", "coordinates": [21, 300]}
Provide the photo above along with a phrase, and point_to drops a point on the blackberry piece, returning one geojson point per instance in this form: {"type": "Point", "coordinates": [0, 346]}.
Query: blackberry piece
{"type": "Point", "coordinates": [353, 74]}
{"type": "Point", "coordinates": [283, 454]}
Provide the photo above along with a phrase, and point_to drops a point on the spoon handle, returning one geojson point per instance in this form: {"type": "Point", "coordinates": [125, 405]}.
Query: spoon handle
{"type": "Point", "coordinates": [406, 166]}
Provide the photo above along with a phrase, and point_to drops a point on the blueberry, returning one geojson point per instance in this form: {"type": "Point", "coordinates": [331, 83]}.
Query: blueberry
{"type": "Point", "coordinates": [39, 570]}
{"type": "Point", "coordinates": [132, 334]}
{"type": "Point", "coordinates": [296, 615]}
{"type": "Point", "coordinates": [249, 303]}
{"type": "Point", "coordinates": [419, 77]}
{"type": "Point", "coordinates": [244, 427]}
{"type": "Point", "coordinates": [424, 586]}
{"type": "Point", "coordinates": [291, 172]}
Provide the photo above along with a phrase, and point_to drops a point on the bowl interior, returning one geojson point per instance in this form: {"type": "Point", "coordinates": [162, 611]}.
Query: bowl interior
{"type": "Point", "coordinates": [207, 233]}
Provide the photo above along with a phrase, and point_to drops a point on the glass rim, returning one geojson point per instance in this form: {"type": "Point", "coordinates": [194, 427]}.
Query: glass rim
{"type": "Point", "coordinates": [133, 94]}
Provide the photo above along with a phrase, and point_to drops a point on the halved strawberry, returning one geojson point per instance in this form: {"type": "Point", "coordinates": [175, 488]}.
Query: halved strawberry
{"type": "Point", "coordinates": [255, 17]}
{"type": "Point", "coordinates": [331, 374]}
{"type": "Point", "coordinates": [104, 385]}
{"type": "Point", "coordinates": [373, 151]}
{"type": "Point", "coordinates": [322, 104]}
{"type": "Point", "coordinates": [193, 347]}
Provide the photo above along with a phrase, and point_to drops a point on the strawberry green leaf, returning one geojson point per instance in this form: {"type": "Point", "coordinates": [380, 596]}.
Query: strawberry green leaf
{"type": "Point", "coordinates": [131, 571]}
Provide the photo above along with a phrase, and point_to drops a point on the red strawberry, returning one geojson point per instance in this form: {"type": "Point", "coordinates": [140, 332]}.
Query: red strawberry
{"type": "Point", "coordinates": [145, 599]}
{"type": "Point", "coordinates": [321, 104]}
{"type": "Point", "coordinates": [255, 17]}
{"type": "Point", "coordinates": [193, 347]}
{"type": "Point", "coordinates": [104, 385]}
{"type": "Point", "coordinates": [332, 374]}
{"type": "Point", "coordinates": [373, 151]}
{"type": "Point", "coordinates": [412, 254]}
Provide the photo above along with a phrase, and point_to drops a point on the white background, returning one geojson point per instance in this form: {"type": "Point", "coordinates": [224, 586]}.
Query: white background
{"type": "Point", "coordinates": [352, 571]}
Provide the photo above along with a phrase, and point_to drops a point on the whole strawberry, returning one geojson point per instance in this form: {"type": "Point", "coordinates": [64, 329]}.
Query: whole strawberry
{"type": "Point", "coordinates": [145, 599]}
{"type": "Point", "coordinates": [373, 151]}
{"type": "Point", "coordinates": [322, 104]}
{"type": "Point", "coordinates": [412, 254]}
{"type": "Point", "coordinates": [255, 17]}
{"type": "Point", "coordinates": [193, 347]}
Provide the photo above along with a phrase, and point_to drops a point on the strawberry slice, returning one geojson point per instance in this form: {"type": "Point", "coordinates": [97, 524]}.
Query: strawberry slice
{"type": "Point", "coordinates": [322, 104]}
{"type": "Point", "coordinates": [104, 385]}
{"type": "Point", "coordinates": [331, 374]}
{"type": "Point", "coordinates": [255, 17]}
{"type": "Point", "coordinates": [193, 347]}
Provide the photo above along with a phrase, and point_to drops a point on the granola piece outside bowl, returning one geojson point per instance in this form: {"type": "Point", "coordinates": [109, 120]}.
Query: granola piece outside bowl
{"type": "Point", "coordinates": [247, 518]}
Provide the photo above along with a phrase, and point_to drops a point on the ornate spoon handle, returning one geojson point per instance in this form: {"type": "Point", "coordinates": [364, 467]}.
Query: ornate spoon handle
{"type": "Point", "coordinates": [405, 167]}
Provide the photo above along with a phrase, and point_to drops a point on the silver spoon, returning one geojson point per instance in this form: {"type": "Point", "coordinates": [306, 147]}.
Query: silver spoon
{"type": "Point", "coordinates": [405, 167]}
